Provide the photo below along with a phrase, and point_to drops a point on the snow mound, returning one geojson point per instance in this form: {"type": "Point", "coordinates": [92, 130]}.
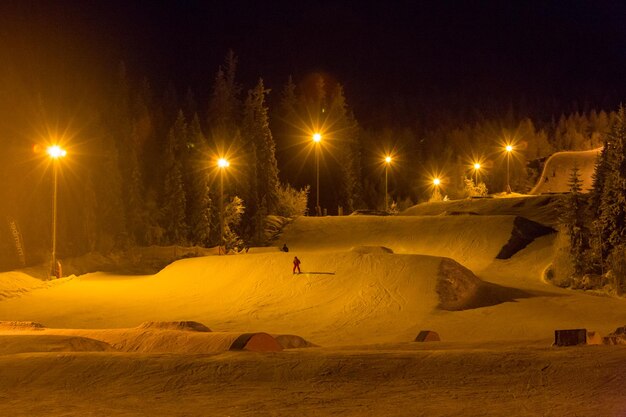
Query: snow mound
{"type": "Point", "coordinates": [15, 284]}
{"type": "Point", "coordinates": [459, 289]}
{"type": "Point", "coordinates": [21, 325]}
{"type": "Point", "coordinates": [29, 343]}
{"type": "Point", "coordinates": [371, 250]}
{"type": "Point", "coordinates": [255, 342]}
{"type": "Point", "coordinates": [290, 341]}
{"type": "Point", "coordinates": [455, 285]}
{"type": "Point", "coordinates": [618, 337]}
{"type": "Point", "coordinates": [524, 232]}
{"type": "Point", "coordinates": [174, 341]}
{"type": "Point", "coordinates": [473, 241]}
{"type": "Point", "coordinates": [192, 326]}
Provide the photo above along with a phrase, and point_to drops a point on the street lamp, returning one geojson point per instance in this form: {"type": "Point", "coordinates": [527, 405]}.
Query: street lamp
{"type": "Point", "coordinates": [387, 163]}
{"type": "Point", "coordinates": [476, 169]}
{"type": "Point", "coordinates": [222, 164]}
{"type": "Point", "coordinates": [436, 194]}
{"type": "Point", "coordinates": [508, 149]}
{"type": "Point", "coordinates": [55, 152]}
{"type": "Point", "coordinates": [317, 138]}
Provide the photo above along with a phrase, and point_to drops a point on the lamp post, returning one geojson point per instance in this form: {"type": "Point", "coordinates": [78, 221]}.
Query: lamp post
{"type": "Point", "coordinates": [222, 164]}
{"type": "Point", "coordinates": [437, 183]}
{"type": "Point", "coordinates": [508, 149]}
{"type": "Point", "coordinates": [55, 152]}
{"type": "Point", "coordinates": [387, 162]}
{"type": "Point", "coordinates": [317, 138]}
{"type": "Point", "coordinates": [476, 168]}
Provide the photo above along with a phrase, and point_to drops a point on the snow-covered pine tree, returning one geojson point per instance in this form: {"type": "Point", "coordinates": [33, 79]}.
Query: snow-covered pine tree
{"type": "Point", "coordinates": [612, 213]}
{"type": "Point", "coordinates": [598, 180]}
{"type": "Point", "coordinates": [224, 105]}
{"type": "Point", "coordinates": [173, 197]}
{"type": "Point", "coordinates": [346, 132]}
{"type": "Point", "coordinates": [199, 204]}
{"type": "Point", "coordinates": [573, 218]}
{"type": "Point", "coordinates": [257, 132]}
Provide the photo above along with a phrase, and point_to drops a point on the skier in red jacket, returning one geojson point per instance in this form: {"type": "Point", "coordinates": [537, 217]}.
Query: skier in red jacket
{"type": "Point", "coordinates": [296, 264]}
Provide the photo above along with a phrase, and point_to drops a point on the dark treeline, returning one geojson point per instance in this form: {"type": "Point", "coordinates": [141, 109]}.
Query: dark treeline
{"type": "Point", "coordinates": [141, 165]}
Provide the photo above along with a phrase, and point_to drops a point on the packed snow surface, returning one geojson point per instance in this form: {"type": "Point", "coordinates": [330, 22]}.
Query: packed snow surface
{"type": "Point", "coordinates": [120, 345]}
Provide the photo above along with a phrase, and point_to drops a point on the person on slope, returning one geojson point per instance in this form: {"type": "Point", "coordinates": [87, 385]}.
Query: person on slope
{"type": "Point", "coordinates": [285, 248]}
{"type": "Point", "coordinates": [296, 264]}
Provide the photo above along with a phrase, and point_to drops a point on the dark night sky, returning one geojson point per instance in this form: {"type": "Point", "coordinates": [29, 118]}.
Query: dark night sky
{"type": "Point", "coordinates": [429, 51]}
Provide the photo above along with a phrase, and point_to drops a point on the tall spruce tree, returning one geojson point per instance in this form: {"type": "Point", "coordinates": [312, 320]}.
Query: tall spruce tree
{"type": "Point", "coordinates": [199, 204]}
{"type": "Point", "coordinates": [173, 196]}
{"type": "Point", "coordinates": [264, 167]}
{"type": "Point", "coordinates": [574, 219]}
{"type": "Point", "coordinates": [598, 180]}
{"type": "Point", "coordinates": [612, 215]}
{"type": "Point", "coordinates": [346, 132]}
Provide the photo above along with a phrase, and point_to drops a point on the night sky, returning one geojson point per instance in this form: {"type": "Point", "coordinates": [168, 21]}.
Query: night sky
{"type": "Point", "coordinates": [436, 54]}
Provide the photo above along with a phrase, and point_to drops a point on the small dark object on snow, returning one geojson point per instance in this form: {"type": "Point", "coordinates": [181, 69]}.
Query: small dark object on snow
{"type": "Point", "coordinates": [285, 248]}
{"type": "Point", "coordinates": [570, 337]}
{"type": "Point", "coordinates": [428, 336]}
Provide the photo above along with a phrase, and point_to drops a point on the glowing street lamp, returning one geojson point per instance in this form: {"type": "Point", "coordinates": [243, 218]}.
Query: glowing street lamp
{"type": "Point", "coordinates": [222, 164]}
{"type": "Point", "coordinates": [436, 193]}
{"type": "Point", "coordinates": [388, 160]}
{"type": "Point", "coordinates": [317, 138]}
{"type": "Point", "coordinates": [476, 169]}
{"type": "Point", "coordinates": [508, 149]}
{"type": "Point", "coordinates": [55, 152]}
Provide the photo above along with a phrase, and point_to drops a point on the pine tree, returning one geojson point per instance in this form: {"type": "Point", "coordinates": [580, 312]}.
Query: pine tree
{"type": "Point", "coordinates": [258, 138]}
{"type": "Point", "coordinates": [224, 106]}
{"type": "Point", "coordinates": [199, 204]}
{"type": "Point", "coordinates": [598, 180]}
{"type": "Point", "coordinates": [574, 219]}
{"type": "Point", "coordinates": [612, 215]}
{"type": "Point", "coordinates": [173, 197]}
{"type": "Point", "coordinates": [346, 132]}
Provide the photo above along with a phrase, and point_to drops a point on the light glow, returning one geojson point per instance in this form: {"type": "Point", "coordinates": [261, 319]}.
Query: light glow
{"type": "Point", "coordinates": [388, 159]}
{"type": "Point", "coordinates": [222, 163]}
{"type": "Point", "coordinates": [436, 181]}
{"type": "Point", "coordinates": [56, 152]}
{"type": "Point", "coordinates": [317, 137]}
{"type": "Point", "coordinates": [508, 148]}
{"type": "Point", "coordinates": [476, 166]}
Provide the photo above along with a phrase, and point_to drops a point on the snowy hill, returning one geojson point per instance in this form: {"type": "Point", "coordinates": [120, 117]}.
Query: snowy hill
{"type": "Point", "coordinates": [558, 169]}
{"type": "Point", "coordinates": [351, 291]}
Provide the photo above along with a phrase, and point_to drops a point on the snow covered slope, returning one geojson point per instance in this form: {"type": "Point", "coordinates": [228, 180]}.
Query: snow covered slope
{"type": "Point", "coordinates": [558, 169]}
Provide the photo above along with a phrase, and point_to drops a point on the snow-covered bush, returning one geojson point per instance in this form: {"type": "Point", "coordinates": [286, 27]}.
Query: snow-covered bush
{"type": "Point", "coordinates": [291, 202]}
{"type": "Point", "coordinates": [232, 217]}
{"type": "Point", "coordinates": [474, 190]}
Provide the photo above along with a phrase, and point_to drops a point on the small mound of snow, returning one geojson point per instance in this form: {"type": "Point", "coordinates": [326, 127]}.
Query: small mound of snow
{"type": "Point", "coordinates": [191, 326]}
{"type": "Point", "coordinates": [290, 341]}
{"type": "Point", "coordinates": [455, 285]}
{"type": "Point", "coordinates": [618, 337]}
{"type": "Point", "coordinates": [21, 325]}
{"type": "Point", "coordinates": [459, 289]}
{"type": "Point", "coordinates": [375, 250]}
{"type": "Point", "coordinates": [30, 343]}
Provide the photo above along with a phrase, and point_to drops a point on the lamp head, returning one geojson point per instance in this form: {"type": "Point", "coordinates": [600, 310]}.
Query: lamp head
{"type": "Point", "coordinates": [56, 152]}
{"type": "Point", "coordinates": [222, 163]}
{"type": "Point", "coordinates": [317, 137]}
